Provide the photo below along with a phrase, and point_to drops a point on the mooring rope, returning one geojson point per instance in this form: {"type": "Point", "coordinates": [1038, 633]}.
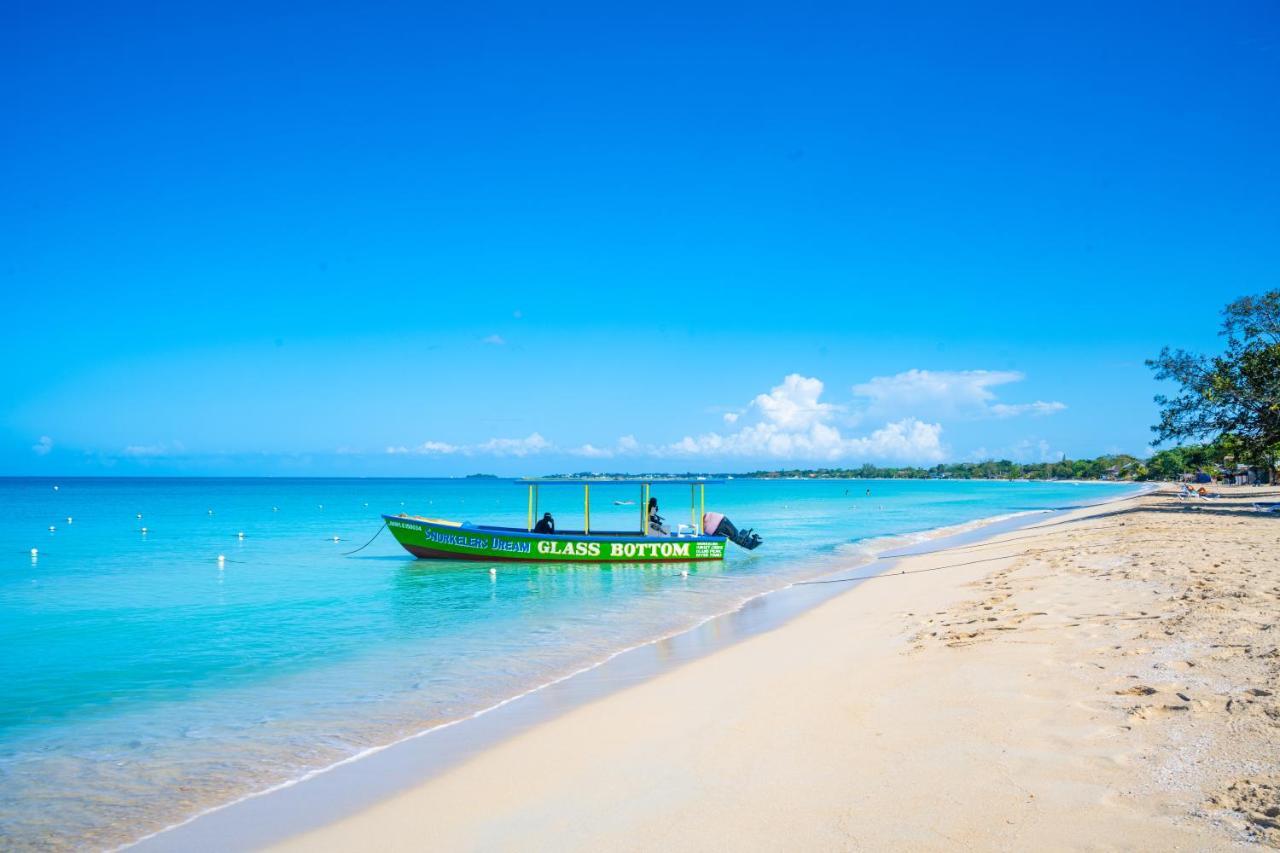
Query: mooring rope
{"type": "Point", "coordinates": [370, 542]}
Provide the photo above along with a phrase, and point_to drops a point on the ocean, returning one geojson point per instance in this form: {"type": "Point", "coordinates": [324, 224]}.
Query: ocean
{"type": "Point", "coordinates": [146, 681]}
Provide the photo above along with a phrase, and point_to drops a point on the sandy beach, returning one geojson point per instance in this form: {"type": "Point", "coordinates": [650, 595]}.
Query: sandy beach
{"type": "Point", "coordinates": [1106, 680]}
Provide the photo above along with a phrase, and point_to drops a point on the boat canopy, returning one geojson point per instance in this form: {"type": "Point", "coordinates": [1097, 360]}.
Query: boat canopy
{"type": "Point", "coordinates": [697, 496]}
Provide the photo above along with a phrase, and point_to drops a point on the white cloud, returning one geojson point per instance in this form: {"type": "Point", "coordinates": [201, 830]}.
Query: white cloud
{"type": "Point", "coordinates": [908, 439]}
{"type": "Point", "coordinates": [427, 448]}
{"type": "Point", "coordinates": [43, 446]}
{"type": "Point", "coordinates": [1025, 450]}
{"type": "Point", "coordinates": [1038, 408]}
{"type": "Point", "coordinates": [592, 452]}
{"type": "Point", "coordinates": [493, 340]}
{"type": "Point", "coordinates": [794, 405]}
{"type": "Point", "coordinates": [148, 451]}
{"type": "Point", "coordinates": [793, 423]}
{"type": "Point", "coordinates": [957, 393]}
{"type": "Point", "coordinates": [530, 444]}
{"type": "Point", "coordinates": [624, 446]}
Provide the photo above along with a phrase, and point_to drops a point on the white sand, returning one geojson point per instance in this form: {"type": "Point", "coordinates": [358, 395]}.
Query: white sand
{"type": "Point", "coordinates": [1105, 683]}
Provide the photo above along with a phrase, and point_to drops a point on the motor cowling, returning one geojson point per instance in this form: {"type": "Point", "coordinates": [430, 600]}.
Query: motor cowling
{"type": "Point", "coordinates": [716, 524]}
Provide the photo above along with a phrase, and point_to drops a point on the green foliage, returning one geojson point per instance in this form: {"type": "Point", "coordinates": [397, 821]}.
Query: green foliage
{"type": "Point", "coordinates": [1233, 399]}
{"type": "Point", "coordinates": [1168, 464]}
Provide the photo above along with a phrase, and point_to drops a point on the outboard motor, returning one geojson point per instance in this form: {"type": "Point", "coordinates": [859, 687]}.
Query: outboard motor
{"type": "Point", "coordinates": [715, 524]}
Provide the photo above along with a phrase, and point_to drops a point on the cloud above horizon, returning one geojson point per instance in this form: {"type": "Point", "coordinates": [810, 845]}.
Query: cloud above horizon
{"type": "Point", "coordinates": [792, 421]}
{"type": "Point", "coordinates": [530, 445]}
{"type": "Point", "coordinates": [948, 393]}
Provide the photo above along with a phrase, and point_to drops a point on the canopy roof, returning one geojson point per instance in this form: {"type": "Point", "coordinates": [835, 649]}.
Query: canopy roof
{"type": "Point", "coordinates": [615, 481]}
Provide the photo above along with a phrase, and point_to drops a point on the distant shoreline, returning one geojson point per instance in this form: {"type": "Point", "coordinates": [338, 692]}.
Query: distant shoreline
{"type": "Point", "coordinates": [53, 478]}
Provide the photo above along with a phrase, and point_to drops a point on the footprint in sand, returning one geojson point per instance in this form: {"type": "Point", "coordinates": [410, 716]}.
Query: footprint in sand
{"type": "Point", "coordinates": [1150, 712]}
{"type": "Point", "coordinates": [1137, 690]}
{"type": "Point", "coordinates": [1258, 801]}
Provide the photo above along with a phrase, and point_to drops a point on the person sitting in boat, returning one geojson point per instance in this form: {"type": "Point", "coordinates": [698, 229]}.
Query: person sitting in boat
{"type": "Point", "coordinates": [546, 524]}
{"type": "Point", "coordinates": [657, 525]}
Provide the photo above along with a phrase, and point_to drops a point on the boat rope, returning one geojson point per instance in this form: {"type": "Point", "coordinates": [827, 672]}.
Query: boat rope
{"type": "Point", "coordinates": [370, 542]}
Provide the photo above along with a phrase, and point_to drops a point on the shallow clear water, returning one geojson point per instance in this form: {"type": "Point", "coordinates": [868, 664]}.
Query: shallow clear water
{"type": "Point", "coordinates": [144, 682]}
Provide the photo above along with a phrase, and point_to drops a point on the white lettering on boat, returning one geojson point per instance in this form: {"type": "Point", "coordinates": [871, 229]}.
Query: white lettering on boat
{"type": "Point", "coordinates": [649, 549]}
{"type": "Point", "coordinates": [455, 539]}
{"type": "Point", "coordinates": [569, 549]}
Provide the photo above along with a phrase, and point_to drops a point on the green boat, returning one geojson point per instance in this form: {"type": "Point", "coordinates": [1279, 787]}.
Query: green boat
{"type": "Point", "coordinates": [651, 542]}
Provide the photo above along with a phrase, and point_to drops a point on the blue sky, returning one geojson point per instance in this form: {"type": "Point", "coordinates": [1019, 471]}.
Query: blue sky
{"type": "Point", "coordinates": [404, 239]}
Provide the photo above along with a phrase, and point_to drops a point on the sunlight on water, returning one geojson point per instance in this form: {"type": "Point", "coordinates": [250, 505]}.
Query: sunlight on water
{"type": "Point", "coordinates": [146, 680]}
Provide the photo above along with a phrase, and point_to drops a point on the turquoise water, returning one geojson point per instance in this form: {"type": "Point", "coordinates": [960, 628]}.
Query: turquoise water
{"type": "Point", "coordinates": [145, 682]}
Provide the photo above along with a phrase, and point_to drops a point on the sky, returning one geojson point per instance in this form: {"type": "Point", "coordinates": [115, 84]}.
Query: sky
{"type": "Point", "coordinates": [419, 239]}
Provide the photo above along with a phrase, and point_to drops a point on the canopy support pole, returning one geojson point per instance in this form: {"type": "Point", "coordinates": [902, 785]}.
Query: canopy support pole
{"type": "Point", "coordinates": [702, 494]}
{"type": "Point", "coordinates": [586, 509]}
{"type": "Point", "coordinates": [693, 508]}
{"type": "Point", "coordinates": [644, 508]}
{"type": "Point", "coordinates": [530, 527]}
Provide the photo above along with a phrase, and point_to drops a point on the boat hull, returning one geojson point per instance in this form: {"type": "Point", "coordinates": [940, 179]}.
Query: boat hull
{"type": "Point", "coordinates": [438, 539]}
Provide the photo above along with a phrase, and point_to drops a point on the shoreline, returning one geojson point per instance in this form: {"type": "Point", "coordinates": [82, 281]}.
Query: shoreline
{"type": "Point", "coordinates": [1109, 681]}
{"type": "Point", "coordinates": [270, 818]}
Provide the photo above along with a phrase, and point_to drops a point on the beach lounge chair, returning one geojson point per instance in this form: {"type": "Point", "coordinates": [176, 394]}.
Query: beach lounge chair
{"type": "Point", "coordinates": [1267, 507]}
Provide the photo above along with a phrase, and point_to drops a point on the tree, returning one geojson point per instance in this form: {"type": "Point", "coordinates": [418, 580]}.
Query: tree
{"type": "Point", "coordinates": [1167, 464]}
{"type": "Point", "coordinates": [1235, 395]}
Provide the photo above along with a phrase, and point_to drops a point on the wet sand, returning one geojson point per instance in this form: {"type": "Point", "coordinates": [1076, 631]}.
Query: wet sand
{"type": "Point", "coordinates": [1105, 680]}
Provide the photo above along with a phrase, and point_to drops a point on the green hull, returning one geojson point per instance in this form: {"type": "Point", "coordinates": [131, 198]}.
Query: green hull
{"type": "Point", "coordinates": [437, 539]}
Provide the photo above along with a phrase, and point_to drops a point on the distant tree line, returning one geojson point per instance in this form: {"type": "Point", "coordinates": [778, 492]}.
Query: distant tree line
{"type": "Point", "coordinates": [1168, 464]}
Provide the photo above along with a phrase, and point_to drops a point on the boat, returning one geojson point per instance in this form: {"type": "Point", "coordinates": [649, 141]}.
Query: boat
{"type": "Point", "coordinates": [444, 539]}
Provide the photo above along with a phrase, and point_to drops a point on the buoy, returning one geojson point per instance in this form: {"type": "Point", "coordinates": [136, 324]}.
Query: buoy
{"type": "Point", "coordinates": [493, 571]}
{"type": "Point", "coordinates": [275, 509]}
{"type": "Point", "coordinates": [210, 512]}
{"type": "Point", "coordinates": [34, 551]}
{"type": "Point", "coordinates": [139, 515]}
{"type": "Point", "coordinates": [335, 539]}
{"type": "Point", "coordinates": [320, 505]}
{"type": "Point", "coordinates": [68, 519]}
{"type": "Point", "coordinates": [221, 559]}
{"type": "Point", "coordinates": [144, 531]}
{"type": "Point", "coordinates": [684, 573]}
{"type": "Point", "coordinates": [240, 534]}
{"type": "Point", "coordinates": [55, 488]}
